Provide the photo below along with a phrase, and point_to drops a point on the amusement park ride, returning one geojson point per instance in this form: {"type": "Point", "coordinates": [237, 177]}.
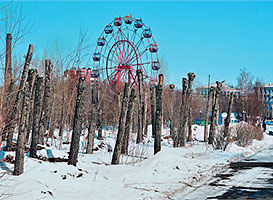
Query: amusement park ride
{"type": "Point", "coordinates": [125, 46]}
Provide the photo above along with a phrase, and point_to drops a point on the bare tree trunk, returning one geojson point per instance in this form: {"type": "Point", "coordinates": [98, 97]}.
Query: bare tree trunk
{"type": "Point", "coordinates": [30, 118]}
{"type": "Point", "coordinates": [62, 119]}
{"type": "Point", "coordinates": [172, 119]}
{"type": "Point", "coordinates": [153, 110]}
{"type": "Point", "coordinates": [191, 77]}
{"type": "Point", "coordinates": [207, 114]}
{"type": "Point", "coordinates": [19, 157]}
{"type": "Point", "coordinates": [144, 119]}
{"type": "Point", "coordinates": [12, 118]}
{"type": "Point", "coordinates": [121, 127]}
{"type": "Point", "coordinates": [158, 121]}
{"type": "Point", "coordinates": [45, 107]}
{"type": "Point", "coordinates": [227, 120]}
{"type": "Point", "coordinates": [8, 69]}
{"type": "Point", "coordinates": [141, 107]}
{"type": "Point", "coordinates": [182, 136]}
{"type": "Point", "coordinates": [77, 124]}
{"type": "Point", "coordinates": [128, 123]}
{"type": "Point", "coordinates": [93, 120]}
{"type": "Point", "coordinates": [52, 119]}
{"type": "Point", "coordinates": [36, 116]}
{"type": "Point", "coordinates": [216, 92]}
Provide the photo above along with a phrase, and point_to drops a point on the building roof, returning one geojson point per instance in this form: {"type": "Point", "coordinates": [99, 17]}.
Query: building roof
{"type": "Point", "coordinates": [269, 85]}
{"type": "Point", "coordinates": [225, 87]}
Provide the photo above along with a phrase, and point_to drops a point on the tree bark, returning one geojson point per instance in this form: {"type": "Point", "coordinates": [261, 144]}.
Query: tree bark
{"type": "Point", "coordinates": [191, 77]}
{"type": "Point", "coordinates": [153, 108]}
{"type": "Point", "coordinates": [36, 116]}
{"type": "Point", "coordinates": [45, 107]}
{"type": "Point", "coordinates": [216, 92]}
{"type": "Point", "coordinates": [141, 107]}
{"type": "Point", "coordinates": [182, 136]}
{"type": "Point", "coordinates": [227, 120]}
{"type": "Point", "coordinates": [128, 123]}
{"type": "Point", "coordinates": [30, 119]}
{"type": "Point", "coordinates": [77, 124]}
{"type": "Point", "coordinates": [207, 115]}
{"type": "Point", "coordinates": [19, 156]}
{"type": "Point", "coordinates": [121, 128]}
{"type": "Point", "coordinates": [93, 120]}
{"type": "Point", "coordinates": [12, 118]}
{"type": "Point", "coordinates": [158, 121]}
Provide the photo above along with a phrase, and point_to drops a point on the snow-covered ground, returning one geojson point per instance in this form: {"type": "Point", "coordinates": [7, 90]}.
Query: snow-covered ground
{"type": "Point", "coordinates": [140, 176]}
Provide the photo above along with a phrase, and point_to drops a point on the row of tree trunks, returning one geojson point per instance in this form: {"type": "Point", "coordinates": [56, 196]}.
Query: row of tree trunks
{"type": "Point", "coordinates": [92, 119]}
{"type": "Point", "coordinates": [121, 127]}
{"type": "Point", "coordinates": [158, 116]}
{"type": "Point", "coordinates": [12, 117]}
{"type": "Point", "coordinates": [215, 92]}
{"type": "Point", "coordinates": [46, 104]}
{"type": "Point", "coordinates": [21, 140]}
{"type": "Point", "coordinates": [36, 116]}
{"type": "Point", "coordinates": [77, 124]}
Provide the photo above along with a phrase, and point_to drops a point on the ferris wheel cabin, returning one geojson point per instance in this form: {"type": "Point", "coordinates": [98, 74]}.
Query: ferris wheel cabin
{"type": "Point", "coordinates": [128, 19]}
{"type": "Point", "coordinates": [108, 29]}
{"type": "Point", "coordinates": [101, 42]}
{"type": "Point", "coordinates": [147, 33]}
{"type": "Point", "coordinates": [155, 65]}
{"type": "Point", "coordinates": [95, 74]}
{"type": "Point", "coordinates": [118, 21]}
{"type": "Point", "coordinates": [138, 23]}
{"type": "Point", "coordinates": [153, 48]}
{"type": "Point", "coordinates": [96, 57]}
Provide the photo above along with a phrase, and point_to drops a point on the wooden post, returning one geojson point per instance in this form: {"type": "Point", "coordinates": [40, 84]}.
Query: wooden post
{"type": "Point", "coordinates": [191, 77]}
{"type": "Point", "coordinates": [45, 107]}
{"type": "Point", "coordinates": [77, 123]}
{"type": "Point", "coordinates": [207, 114]}
{"type": "Point", "coordinates": [141, 107]}
{"type": "Point", "coordinates": [12, 118]}
{"type": "Point", "coordinates": [19, 156]}
{"type": "Point", "coordinates": [121, 127]}
{"type": "Point", "coordinates": [227, 120]}
{"type": "Point", "coordinates": [93, 120]}
{"type": "Point", "coordinates": [128, 123]}
{"type": "Point", "coordinates": [158, 121]}
{"type": "Point", "coordinates": [216, 92]}
{"type": "Point", "coordinates": [153, 106]}
{"type": "Point", "coordinates": [36, 116]}
{"type": "Point", "coordinates": [182, 136]}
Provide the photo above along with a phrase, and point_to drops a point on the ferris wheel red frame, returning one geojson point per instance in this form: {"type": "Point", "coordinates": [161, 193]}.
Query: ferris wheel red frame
{"type": "Point", "coordinates": [122, 49]}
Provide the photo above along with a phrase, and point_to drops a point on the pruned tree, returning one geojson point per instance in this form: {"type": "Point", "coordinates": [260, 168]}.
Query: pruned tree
{"type": "Point", "coordinates": [46, 104]}
{"type": "Point", "coordinates": [77, 124]}
{"type": "Point", "coordinates": [20, 147]}
{"type": "Point", "coordinates": [121, 127]}
{"type": "Point", "coordinates": [216, 92]}
{"type": "Point", "coordinates": [158, 120]}
{"type": "Point", "coordinates": [12, 120]}
{"type": "Point", "coordinates": [36, 116]}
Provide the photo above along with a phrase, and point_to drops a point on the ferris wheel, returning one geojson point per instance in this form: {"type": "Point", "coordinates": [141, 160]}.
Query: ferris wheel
{"type": "Point", "coordinates": [125, 46]}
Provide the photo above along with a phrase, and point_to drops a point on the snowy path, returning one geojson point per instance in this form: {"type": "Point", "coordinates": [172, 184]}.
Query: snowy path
{"type": "Point", "coordinates": [250, 178]}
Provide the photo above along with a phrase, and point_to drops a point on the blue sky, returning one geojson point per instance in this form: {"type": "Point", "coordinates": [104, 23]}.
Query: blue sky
{"type": "Point", "coordinates": [216, 38]}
